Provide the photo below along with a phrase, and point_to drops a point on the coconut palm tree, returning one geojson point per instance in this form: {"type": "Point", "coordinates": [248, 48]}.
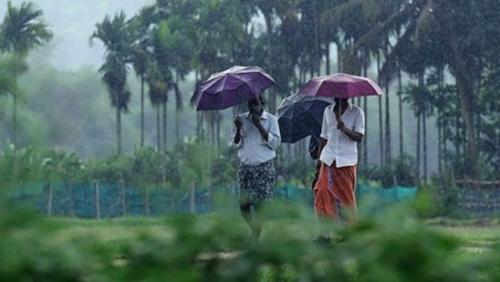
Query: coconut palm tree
{"type": "Point", "coordinates": [158, 96]}
{"type": "Point", "coordinates": [462, 32]}
{"type": "Point", "coordinates": [139, 27]}
{"type": "Point", "coordinates": [21, 31]}
{"type": "Point", "coordinates": [115, 35]}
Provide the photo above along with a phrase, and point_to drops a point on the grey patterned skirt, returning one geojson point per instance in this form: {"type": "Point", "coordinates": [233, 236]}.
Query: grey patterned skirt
{"type": "Point", "coordinates": [256, 182]}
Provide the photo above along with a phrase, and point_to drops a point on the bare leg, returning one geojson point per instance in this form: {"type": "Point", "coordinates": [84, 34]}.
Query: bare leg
{"type": "Point", "coordinates": [252, 218]}
{"type": "Point", "coordinates": [246, 212]}
{"type": "Point", "coordinates": [257, 222]}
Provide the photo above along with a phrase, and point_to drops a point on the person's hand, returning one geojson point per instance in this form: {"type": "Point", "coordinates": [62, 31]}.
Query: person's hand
{"type": "Point", "coordinates": [238, 123]}
{"type": "Point", "coordinates": [341, 125]}
{"type": "Point", "coordinates": [316, 175]}
{"type": "Point", "coordinates": [313, 183]}
{"type": "Point", "coordinates": [256, 120]}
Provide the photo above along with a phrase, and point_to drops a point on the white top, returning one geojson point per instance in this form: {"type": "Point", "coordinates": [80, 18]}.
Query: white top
{"type": "Point", "coordinates": [339, 147]}
{"type": "Point", "coordinates": [252, 148]}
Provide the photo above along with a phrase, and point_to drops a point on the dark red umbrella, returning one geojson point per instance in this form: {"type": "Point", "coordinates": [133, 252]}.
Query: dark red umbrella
{"type": "Point", "coordinates": [341, 85]}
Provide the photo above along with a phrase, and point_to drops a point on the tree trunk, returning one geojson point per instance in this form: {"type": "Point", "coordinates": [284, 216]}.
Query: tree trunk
{"type": "Point", "coordinates": [340, 51]}
{"type": "Point", "coordinates": [14, 136]}
{"type": "Point", "coordinates": [465, 144]}
{"type": "Point", "coordinates": [388, 147]}
{"type": "Point", "coordinates": [177, 108]}
{"type": "Point", "coordinates": [48, 194]}
{"type": "Point", "coordinates": [327, 52]}
{"type": "Point", "coordinates": [71, 200]}
{"type": "Point", "coordinates": [192, 198]}
{"type": "Point", "coordinates": [440, 142]}
{"type": "Point", "coordinates": [119, 130]}
{"type": "Point", "coordinates": [466, 78]}
{"type": "Point", "coordinates": [478, 127]}
{"type": "Point", "coordinates": [418, 147]}
{"type": "Point", "coordinates": [400, 101]}
{"type": "Point", "coordinates": [388, 152]}
{"type": "Point", "coordinates": [317, 44]}
{"type": "Point", "coordinates": [158, 129]}
{"type": "Point", "coordinates": [218, 129]}
{"type": "Point", "coordinates": [14, 121]}
{"type": "Point", "coordinates": [146, 202]}
{"type": "Point", "coordinates": [269, 26]}
{"type": "Point", "coordinates": [467, 104]}
{"type": "Point", "coordinates": [212, 129]}
{"type": "Point", "coordinates": [142, 111]}
{"type": "Point", "coordinates": [445, 146]}
{"type": "Point", "coordinates": [123, 198]}
{"type": "Point", "coordinates": [198, 129]}
{"type": "Point", "coordinates": [440, 123]}
{"type": "Point", "coordinates": [365, 110]}
{"type": "Point", "coordinates": [457, 134]}
{"type": "Point", "coordinates": [198, 114]}
{"type": "Point", "coordinates": [177, 121]}
{"type": "Point", "coordinates": [421, 117]}
{"type": "Point", "coordinates": [97, 201]}
{"type": "Point", "coordinates": [164, 136]}
{"type": "Point", "coordinates": [204, 130]}
{"type": "Point", "coordinates": [380, 117]}
{"type": "Point", "coordinates": [424, 129]}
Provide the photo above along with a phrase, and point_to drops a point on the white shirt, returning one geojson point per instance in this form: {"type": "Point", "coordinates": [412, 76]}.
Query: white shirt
{"type": "Point", "coordinates": [252, 148]}
{"type": "Point", "coordinates": [339, 147]}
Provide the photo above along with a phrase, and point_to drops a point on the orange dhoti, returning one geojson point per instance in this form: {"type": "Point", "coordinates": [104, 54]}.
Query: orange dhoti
{"type": "Point", "coordinates": [334, 193]}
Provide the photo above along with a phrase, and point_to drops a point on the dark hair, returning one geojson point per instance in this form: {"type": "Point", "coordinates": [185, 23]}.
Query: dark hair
{"type": "Point", "coordinates": [260, 98]}
{"type": "Point", "coordinates": [262, 101]}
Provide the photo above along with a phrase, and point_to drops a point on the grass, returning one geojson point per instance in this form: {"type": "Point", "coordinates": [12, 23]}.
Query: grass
{"type": "Point", "coordinates": [474, 239]}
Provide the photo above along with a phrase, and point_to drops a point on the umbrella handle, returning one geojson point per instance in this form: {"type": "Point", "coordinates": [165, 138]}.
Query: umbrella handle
{"type": "Point", "coordinates": [337, 114]}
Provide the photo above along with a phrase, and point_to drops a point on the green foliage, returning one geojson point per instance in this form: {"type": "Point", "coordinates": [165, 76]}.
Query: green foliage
{"type": "Point", "coordinates": [11, 67]}
{"type": "Point", "coordinates": [23, 29]}
{"type": "Point", "coordinates": [194, 160]}
{"type": "Point", "coordinates": [223, 168]}
{"type": "Point", "coordinates": [216, 248]}
{"type": "Point", "coordinates": [115, 36]}
{"type": "Point", "coordinates": [191, 162]}
{"type": "Point", "coordinates": [400, 172]}
{"type": "Point", "coordinates": [18, 165]}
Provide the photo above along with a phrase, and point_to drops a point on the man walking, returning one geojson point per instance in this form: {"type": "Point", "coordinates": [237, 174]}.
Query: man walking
{"type": "Point", "coordinates": [334, 192]}
{"type": "Point", "coordinates": [257, 138]}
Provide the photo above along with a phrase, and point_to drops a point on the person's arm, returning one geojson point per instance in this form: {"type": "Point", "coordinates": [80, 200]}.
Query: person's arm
{"type": "Point", "coordinates": [237, 135]}
{"type": "Point", "coordinates": [274, 135]}
{"type": "Point", "coordinates": [323, 137]}
{"type": "Point", "coordinates": [356, 134]}
{"type": "Point", "coordinates": [321, 146]}
{"type": "Point", "coordinates": [263, 132]}
{"type": "Point", "coordinates": [353, 135]}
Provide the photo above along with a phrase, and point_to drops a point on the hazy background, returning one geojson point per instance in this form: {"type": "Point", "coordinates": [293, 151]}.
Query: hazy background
{"type": "Point", "coordinates": [72, 22]}
{"type": "Point", "coordinates": [67, 106]}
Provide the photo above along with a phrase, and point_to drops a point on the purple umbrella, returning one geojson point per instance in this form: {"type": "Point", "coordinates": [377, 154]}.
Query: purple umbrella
{"type": "Point", "coordinates": [341, 85]}
{"type": "Point", "coordinates": [231, 87]}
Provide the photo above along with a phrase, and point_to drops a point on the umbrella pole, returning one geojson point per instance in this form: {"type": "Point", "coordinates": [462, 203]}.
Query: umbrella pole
{"type": "Point", "coordinates": [338, 112]}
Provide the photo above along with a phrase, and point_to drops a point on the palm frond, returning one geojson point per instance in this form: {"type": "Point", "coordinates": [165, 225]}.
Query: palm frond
{"type": "Point", "coordinates": [23, 29]}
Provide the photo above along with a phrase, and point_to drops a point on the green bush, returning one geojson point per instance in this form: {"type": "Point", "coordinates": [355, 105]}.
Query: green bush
{"type": "Point", "coordinates": [396, 247]}
{"type": "Point", "coordinates": [401, 171]}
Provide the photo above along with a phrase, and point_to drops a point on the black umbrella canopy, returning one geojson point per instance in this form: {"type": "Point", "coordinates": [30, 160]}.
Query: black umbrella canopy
{"type": "Point", "coordinates": [299, 117]}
